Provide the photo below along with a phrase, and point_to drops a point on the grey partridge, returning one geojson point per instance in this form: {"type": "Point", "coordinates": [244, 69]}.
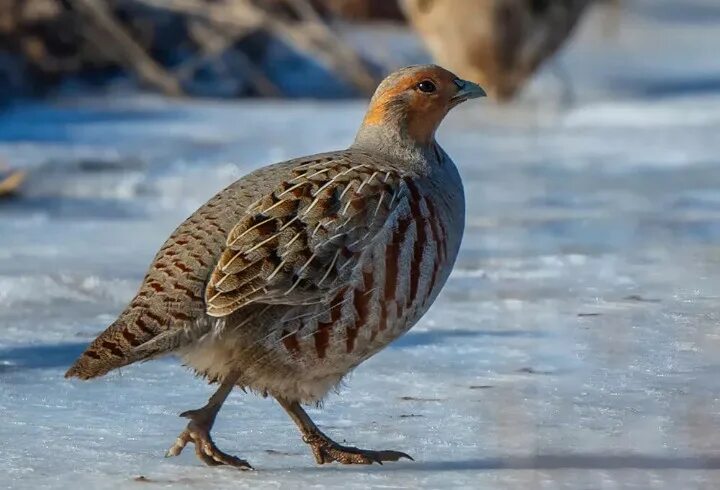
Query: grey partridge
{"type": "Point", "coordinates": [500, 43]}
{"type": "Point", "coordinates": [292, 276]}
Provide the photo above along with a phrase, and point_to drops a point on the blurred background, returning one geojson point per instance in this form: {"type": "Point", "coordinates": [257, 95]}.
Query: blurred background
{"type": "Point", "coordinates": [576, 343]}
{"type": "Point", "coordinates": [271, 48]}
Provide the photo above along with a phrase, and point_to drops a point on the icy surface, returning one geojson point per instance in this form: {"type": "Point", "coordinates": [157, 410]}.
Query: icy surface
{"type": "Point", "coordinates": [576, 344]}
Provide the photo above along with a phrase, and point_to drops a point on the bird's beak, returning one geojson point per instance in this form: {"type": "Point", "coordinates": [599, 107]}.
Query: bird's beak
{"type": "Point", "coordinates": [467, 90]}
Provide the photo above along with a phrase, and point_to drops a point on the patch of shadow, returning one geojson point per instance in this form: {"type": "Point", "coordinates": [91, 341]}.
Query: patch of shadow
{"type": "Point", "coordinates": [273, 452]}
{"type": "Point", "coordinates": [73, 207]}
{"type": "Point", "coordinates": [163, 481]}
{"type": "Point", "coordinates": [583, 315]}
{"type": "Point", "coordinates": [696, 12]}
{"type": "Point", "coordinates": [415, 399]}
{"type": "Point", "coordinates": [111, 165]}
{"type": "Point", "coordinates": [640, 299]}
{"type": "Point", "coordinates": [410, 415]}
{"type": "Point", "coordinates": [576, 461]}
{"type": "Point", "coordinates": [481, 387]}
{"type": "Point", "coordinates": [39, 123]}
{"type": "Point", "coordinates": [416, 339]}
{"type": "Point", "coordinates": [672, 87]}
{"type": "Point", "coordinates": [39, 356]}
{"type": "Point", "coordinates": [531, 370]}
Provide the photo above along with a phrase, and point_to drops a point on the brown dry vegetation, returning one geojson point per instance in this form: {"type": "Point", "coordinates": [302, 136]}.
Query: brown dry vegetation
{"type": "Point", "coordinates": [167, 44]}
{"type": "Point", "coordinates": [45, 41]}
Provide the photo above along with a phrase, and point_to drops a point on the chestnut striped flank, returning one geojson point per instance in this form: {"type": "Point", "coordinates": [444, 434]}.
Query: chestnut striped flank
{"type": "Point", "coordinates": [361, 303]}
{"type": "Point", "coordinates": [404, 239]}
{"type": "Point", "coordinates": [437, 230]}
{"type": "Point", "coordinates": [431, 238]}
{"type": "Point", "coordinates": [437, 235]}
{"type": "Point", "coordinates": [322, 334]}
{"type": "Point", "coordinates": [291, 343]}
{"type": "Point", "coordinates": [392, 256]}
{"type": "Point", "coordinates": [420, 243]}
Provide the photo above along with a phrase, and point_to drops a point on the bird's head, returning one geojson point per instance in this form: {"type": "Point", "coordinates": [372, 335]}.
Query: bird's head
{"type": "Point", "coordinates": [413, 101]}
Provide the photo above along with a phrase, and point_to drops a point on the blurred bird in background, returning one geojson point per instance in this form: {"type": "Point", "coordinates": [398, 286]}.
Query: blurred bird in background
{"type": "Point", "coordinates": [500, 43]}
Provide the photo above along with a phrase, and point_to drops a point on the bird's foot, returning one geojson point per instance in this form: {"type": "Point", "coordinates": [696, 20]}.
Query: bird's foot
{"type": "Point", "coordinates": [198, 432]}
{"type": "Point", "coordinates": [327, 451]}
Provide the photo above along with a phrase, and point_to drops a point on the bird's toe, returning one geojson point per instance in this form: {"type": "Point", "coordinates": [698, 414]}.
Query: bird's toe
{"type": "Point", "coordinates": [330, 451]}
{"type": "Point", "coordinates": [205, 449]}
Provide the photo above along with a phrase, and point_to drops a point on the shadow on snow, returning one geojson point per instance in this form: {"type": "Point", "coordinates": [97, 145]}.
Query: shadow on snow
{"type": "Point", "coordinates": [430, 337]}
{"type": "Point", "coordinates": [39, 356]}
{"type": "Point", "coordinates": [581, 461]}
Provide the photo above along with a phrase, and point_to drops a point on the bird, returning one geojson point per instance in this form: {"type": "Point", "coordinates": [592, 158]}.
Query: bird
{"type": "Point", "coordinates": [289, 278]}
{"type": "Point", "coordinates": [499, 43]}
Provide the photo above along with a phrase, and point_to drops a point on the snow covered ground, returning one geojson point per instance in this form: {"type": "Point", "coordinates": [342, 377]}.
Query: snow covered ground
{"type": "Point", "coordinates": [576, 344]}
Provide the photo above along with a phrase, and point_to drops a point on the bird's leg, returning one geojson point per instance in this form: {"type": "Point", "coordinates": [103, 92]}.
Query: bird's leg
{"type": "Point", "coordinates": [198, 431]}
{"type": "Point", "coordinates": [325, 449]}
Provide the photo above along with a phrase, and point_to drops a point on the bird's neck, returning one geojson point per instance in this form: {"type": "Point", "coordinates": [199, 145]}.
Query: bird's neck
{"type": "Point", "coordinates": [396, 144]}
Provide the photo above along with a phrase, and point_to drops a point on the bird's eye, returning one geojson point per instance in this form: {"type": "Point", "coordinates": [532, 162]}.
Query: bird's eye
{"type": "Point", "coordinates": [426, 86]}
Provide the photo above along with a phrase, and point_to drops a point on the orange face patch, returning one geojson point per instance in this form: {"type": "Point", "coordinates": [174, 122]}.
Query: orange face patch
{"type": "Point", "coordinates": [380, 104]}
{"type": "Point", "coordinates": [419, 112]}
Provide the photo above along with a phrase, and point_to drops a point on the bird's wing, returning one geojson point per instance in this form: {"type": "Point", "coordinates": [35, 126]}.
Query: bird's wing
{"type": "Point", "coordinates": [297, 244]}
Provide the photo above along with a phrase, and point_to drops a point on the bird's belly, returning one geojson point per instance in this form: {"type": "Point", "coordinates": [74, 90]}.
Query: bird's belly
{"type": "Point", "coordinates": [305, 358]}
{"type": "Point", "coordinates": [264, 370]}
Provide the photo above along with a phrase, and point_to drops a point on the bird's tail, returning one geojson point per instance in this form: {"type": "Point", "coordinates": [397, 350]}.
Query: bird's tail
{"type": "Point", "coordinates": [116, 346]}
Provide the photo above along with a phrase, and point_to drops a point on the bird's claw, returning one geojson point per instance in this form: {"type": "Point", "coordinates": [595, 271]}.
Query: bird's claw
{"type": "Point", "coordinates": [205, 448]}
{"type": "Point", "coordinates": [327, 451]}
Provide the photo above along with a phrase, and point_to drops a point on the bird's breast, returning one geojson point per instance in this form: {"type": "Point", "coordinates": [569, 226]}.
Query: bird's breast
{"type": "Point", "coordinates": [393, 285]}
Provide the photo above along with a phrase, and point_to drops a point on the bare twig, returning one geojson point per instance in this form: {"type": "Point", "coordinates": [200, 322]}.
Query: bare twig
{"type": "Point", "coordinates": [305, 11]}
{"type": "Point", "coordinates": [213, 42]}
{"type": "Point", "coordinates": [342, 57]}
{"type": "Point", "coordinates": [310, 36]}
{"type": "Point", "coordinates": [124, 48]}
